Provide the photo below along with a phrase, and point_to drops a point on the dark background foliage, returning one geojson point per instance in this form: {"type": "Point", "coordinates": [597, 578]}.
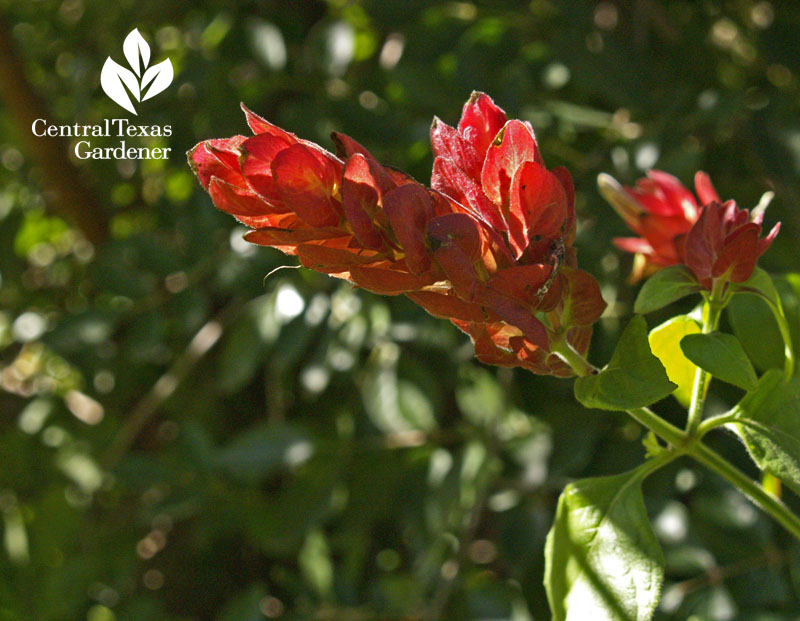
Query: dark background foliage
{"type": "Point", "coordinates": [182, 439]}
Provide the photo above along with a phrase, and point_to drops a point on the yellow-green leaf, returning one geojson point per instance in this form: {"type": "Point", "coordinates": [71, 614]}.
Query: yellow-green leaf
{"type": "Point", "coordinates": [665, 345]}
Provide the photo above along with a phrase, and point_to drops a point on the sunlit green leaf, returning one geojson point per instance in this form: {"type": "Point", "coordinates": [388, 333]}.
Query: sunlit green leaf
{"type": "Point", "coordinates": [482, 400]}
{"type": "Point", "coordinates": [315, 563]}
{"type": "Point", "coordinates": [665, 344]}
{"type": "Point", "coordinates": [721, 355]}
{"type": "Point", "coordinates": [602, 559]}
{"type": "Point", "coordinates": [633, 378]}
{"type": "Point", "coordinates": [393, 404]}
{"type": "Point", "coordinates": [664, 287]}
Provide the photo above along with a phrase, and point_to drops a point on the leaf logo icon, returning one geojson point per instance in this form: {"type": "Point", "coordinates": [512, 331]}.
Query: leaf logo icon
{"type": "Point", "coordinates": [141, 81]}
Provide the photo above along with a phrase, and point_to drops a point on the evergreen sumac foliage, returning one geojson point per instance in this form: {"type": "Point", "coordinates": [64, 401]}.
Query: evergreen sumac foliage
{"type": "Point", "coordinates": [717, 241]}
{"type": "Point", "coordinates": [488, 247]}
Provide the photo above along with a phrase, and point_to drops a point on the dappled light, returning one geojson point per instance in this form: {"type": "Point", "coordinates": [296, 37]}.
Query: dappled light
{"type": "Point", "coordinates": [291, 379]}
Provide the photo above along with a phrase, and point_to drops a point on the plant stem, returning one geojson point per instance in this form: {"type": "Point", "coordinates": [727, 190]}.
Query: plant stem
{"type": "Point", "coordinates": [142, 413]}
{"type": "Point", "coordinates": [788, 349]}
{"type": "Point", "coordinates": [711, 314]}
{"type": "Point", "coordinates": [579, 364]}
{"type": "Point", "coordinates": [694, 448]}
{"type": "Point", "coordinates": [690, 444]}
{"type": "Point", "coordinates": [762, 498]}
{"type": "Point", "coordinates": [658, 462]}
{"type": "Point", "coordinates": [717, 421]}
{"type": "Point", "coordinates": [664, 430]}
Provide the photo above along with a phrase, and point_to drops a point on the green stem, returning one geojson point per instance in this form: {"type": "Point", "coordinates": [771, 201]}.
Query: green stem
{"type": "Point", "coordinates": [579, 364]}
{"type": "Point", "coordinates": [788, 349]}
{"type": "Point", "coordinates": [753, 490]}
{"type": "Point", "coordinates": [664, 430]}
{"type": "Point", "coordinates": [691, 445]}
{"type": "Point", "coordinates": [711, 314]}
{"type": "Point", "coordinates": [698, 451]}
{"type": "Point", "coordinates": [657, 462]}
{"type": "Point", "coordinates": [717, 421]}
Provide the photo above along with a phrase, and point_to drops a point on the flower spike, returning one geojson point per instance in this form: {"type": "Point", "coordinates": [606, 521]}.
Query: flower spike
{"type": "Point", "coordinates": [489, 246]}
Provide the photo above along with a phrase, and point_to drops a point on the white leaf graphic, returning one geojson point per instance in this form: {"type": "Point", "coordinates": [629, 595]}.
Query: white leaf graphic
{"type": "Point", "coordinates": [115, 78]}
{"type": "Point", "coordinates": [161, 76]}
{"type": "Point", "coordinates": [135, 46]}
{"type": "Point", "coordinates": [112, 79]}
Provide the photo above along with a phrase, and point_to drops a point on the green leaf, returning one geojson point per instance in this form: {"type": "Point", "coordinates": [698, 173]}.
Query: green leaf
{"type": "Point", "coordinates": [483, 399]}
{"type": "Point", "coordinates": [763, 345]}
{"type": "Point", "coordinates": [393, 404]}
{"type": "Point", "coordinates": [278, 522]}
{"type": "Point", "coordinates": [665, 345]}
{"type": "Point", "coordinates": [769, 424]}
{"type": "Point", "coordinates": [789, 287]}
{"type": "Point", "coordinates": [721, 355]}
{"type": "Point", "coordinates": [602, 560]}
{"type": "Point", "coordinates": [633, 378]}
{"type": "Point", "coordinates": [652, 447]}
{"type": "Point", "coordinates": [760, 283]}
{"type": "Point", "coordinates": [766, 352]}
{"type": "Point", "coordinates": [664, 287]}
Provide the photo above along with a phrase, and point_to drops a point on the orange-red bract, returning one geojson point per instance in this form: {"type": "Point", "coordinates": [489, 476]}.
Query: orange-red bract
{"type": "Point", "coordinates": [717, 241]}
{"type": "Point", "coordinates": [488, 246]}
{"type": "Point", "coordinates": [724, 244]}
{"type": "Point", "coordinates": [661, 211]}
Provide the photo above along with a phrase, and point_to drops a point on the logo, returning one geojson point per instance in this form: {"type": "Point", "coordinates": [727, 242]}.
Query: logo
{"type": "Point", "coordinates": [141, 81]}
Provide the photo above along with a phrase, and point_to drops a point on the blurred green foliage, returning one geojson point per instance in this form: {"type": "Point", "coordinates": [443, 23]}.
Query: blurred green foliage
{"type": "Point", "coordinates": [182, 439]}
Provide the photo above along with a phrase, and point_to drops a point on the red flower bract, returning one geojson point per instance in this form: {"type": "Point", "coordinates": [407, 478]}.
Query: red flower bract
{"type": "Point", "coordinates": [724, 244]}
{"type": "Point", "coordinates": [717, 241]}
{"type": "Point", "coordinates": [488, 247]}
{"type": "Point", "coordinates": [659, 209]}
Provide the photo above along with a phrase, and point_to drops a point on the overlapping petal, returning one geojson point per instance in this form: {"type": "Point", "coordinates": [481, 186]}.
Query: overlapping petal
{"type": "Point", "coordinates": [717, 241]}
{"type": "Point", "coordinates": [724, 244]}
{"type": "Point", "coordinates": [488, 246]}
{"type": "Point", "coordinates": [660, 210]}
